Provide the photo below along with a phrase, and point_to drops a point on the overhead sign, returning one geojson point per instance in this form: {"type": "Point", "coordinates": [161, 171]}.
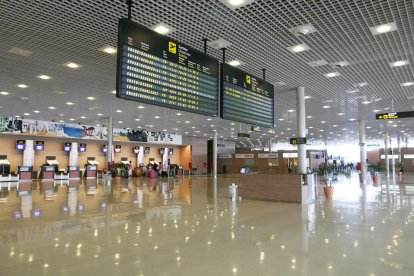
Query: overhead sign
{"type": "Point", "coordinates": [394, 115]}
{"type": "Point", "coordinates": [245, 135]}
{"type": "Point", "coordinates": [225, 156]}
{"type": "Point", "coordinates": [298, 141]}
{"type": "Point", "coordinates": [268, 155]}
{"type": "Point", "coordinates": [155, 69]}
{"type": "Point", "coordinates": [245, 155]}
{"type": "Point", "coordinates": [246, 98]}
{"type": "Point", "coordinates": [290, 155]}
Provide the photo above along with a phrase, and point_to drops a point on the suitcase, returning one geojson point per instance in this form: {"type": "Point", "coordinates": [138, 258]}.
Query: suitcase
{"type": "Point", "coordinates": [152, 174]}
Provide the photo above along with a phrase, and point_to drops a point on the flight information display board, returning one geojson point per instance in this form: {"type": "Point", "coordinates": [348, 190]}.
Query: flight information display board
{"type": "Point", "coordinates": [246, 98]}
{"type": "Point", "coordinates": [157, 70]}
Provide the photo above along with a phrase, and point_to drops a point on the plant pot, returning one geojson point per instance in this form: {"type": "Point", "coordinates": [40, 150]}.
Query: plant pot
{"type": "Point", "coordinates": [376, 180]}
{"type": "Point", "coordinates": [117, 180]}
{"type": "Point", "coordinates": [328, 190]}
{"type": "Point", "coordinates": [400, 174]}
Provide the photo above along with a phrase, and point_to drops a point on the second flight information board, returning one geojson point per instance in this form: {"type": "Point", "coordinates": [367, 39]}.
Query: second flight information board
{"type": "Point", "coordinates": [154, 69]}
{"type": "Point", "coordinates": [245, 98]}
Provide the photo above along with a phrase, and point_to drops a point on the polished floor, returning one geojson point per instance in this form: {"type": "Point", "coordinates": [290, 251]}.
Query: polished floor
{"type": "Point", "coordinates": [189, 226]}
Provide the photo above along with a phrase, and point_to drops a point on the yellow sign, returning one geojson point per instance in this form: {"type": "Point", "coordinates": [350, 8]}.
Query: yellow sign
{"type": "Point", "coordinates": [172, 47]}
{"type": "Point", "coordinates": [248, 81]}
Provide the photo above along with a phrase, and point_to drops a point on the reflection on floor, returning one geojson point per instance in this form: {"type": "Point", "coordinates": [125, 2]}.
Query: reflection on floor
{"type": "Point", "coordinates": [189, 226]}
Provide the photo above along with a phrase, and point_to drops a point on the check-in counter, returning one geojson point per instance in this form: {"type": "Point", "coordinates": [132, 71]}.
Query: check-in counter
{"type": "Point", "coordinates": [295, 188]}
{"type": "Point", "coordinates": [47, 172]}
{"type": "Point", "coordinates": [25, 173]}
{"type": "Point", "coordinates": [91, 169]}
{"type": "Point", "coordinates": [74, 172]}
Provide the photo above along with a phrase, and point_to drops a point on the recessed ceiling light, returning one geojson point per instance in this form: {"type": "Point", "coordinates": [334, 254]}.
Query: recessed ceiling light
{"type": "Point", "coordinates": [398, 63]}
{"type": "Point", "coordinates": [118, 111]}
{"type": "Point", "coordinates": [309, 117]}
{"type": "Point", "coordinates": [44, 77]}
{"type": "Point", "coordinates": [99, 114]}
{"type": "Point", "coordinates": [26, 114]}
{"type": "Point", "coordinates": [193, 127]}
{"type": "Point", "coordinates": [376, 110]}
{"type": "Point", "coordinates": [352, 91]}
{"type": "Point", "coordinates": [140, 107]}
{"type": "Point", "coordinates": [298, 48]}
{"type": "Point", "coordinates": [235, 4]}
{"type": "Point", "coordinates": [113, 91]}
{"type": "Point", "coordinates": [71, 119]}
{"type": "Point", "coordinates": [352, 119]}
{"type": "Point", "coordinates": [332, 74]}
{"type": "Point", "coordinates": [281, 119]}
{"type": "Point", "coordinates": [219, 44]}
{"type": "Point", "coordinates": [307, 97]}
{"type": "Point", "coordinates": [187, 122]}
{"type": "Point", "coordinates": [339, 64]}
{"type": "Point", "coordinates": [120, 122]}
{"type": "Point", "coordinates": [208, 119]}
{"type": "Point", "coordinates": [383, 28]}
{"type": "Point", "coordinates": [108, 50]}
{"type": "Point", "coordinates": [407, 83]}
{"type": "Point", "coordinates": [90, 98]}
{"type": "Point", "coordinates": [235, 62]}
{"type": "Point", "coordinates": [137, 119]}
{"type": "Point", "coordinates": [72, 65]}
{"type": "Point", "coordinates": [4, 93]}
{"type": "Point", "coordinates": [317, 63]}
{"type": "Point", "coordinates": [157, 117]}
{"type": "Point", "coordinates": [303, 30]}
{"type": "Point", "coordinates": [179, 114]}
{"type": "Point", "coordinates": [52, 107]}
{"type": "Point", "coordinates": [340, 114]}
{"type": "Point", "coordinates": [69, 103]}
{"type": "Point", "coordinates": [323, 122]}
{"type": "Point", "coordinates": [61, 121]}
{"type": "Point", "coordinates": [83, 117]}
{"type": "Point", "coordinates": [326, 106]}
{"type": "Point", "coordinates": [20, 52]}
{"type": "Point", "coordinates": [361, 84]}
{"type": "Point", "coordinates": [21, 85]}
{"type": "Point", "coordinates": [59, 92]}
{"type": "Point", "coordinates": [162, 28]}
{"type": "Point", "coordinates": [366, 102]}
{"type": "Point", "coordinates": [36, 111]}
{"type": "Point", "coordinates": [291, 110]}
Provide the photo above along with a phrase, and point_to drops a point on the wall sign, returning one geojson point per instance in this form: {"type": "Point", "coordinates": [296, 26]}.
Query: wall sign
{"type": "Point", "coordinates": [268, 155]}
{"type": "Point", "coordinates": [245, 155]}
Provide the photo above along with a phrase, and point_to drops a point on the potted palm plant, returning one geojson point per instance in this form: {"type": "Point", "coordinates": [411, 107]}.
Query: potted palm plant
{"type": "Point", "coordinates": [328, 174]}
{"type": "Point", "coordinates": [118, 171]}
{"type": "Point", "coordinates": [375, 169]}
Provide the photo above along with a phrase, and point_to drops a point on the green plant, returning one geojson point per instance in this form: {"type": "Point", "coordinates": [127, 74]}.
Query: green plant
{"type": "Point", "coordinates": [327, 169]}
{"type": "Point", "coordinates": [376, 168]}
{"type": "Point", "coordinates": [119, 169]}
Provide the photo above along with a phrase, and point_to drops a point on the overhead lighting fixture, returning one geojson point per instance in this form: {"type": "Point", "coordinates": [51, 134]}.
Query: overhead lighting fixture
{"type": "Point", "coordinates": [140, 107]}
{"type": "Point", "coordinates": [162, 28]}
{"type": "Point", "coordinates": [361, 84]}
{"type": "Point", "coordinates": [113, 91]}
{"type": "Point", "coordinates": [156, 117]}
{"type": "Point", "coordinates": [20, 52]}
{"type": "Point", "coordinates": [219, 44]}
{"type": "Point", "coordinates": [52, 107]}
{"type": "Point", "coordinates": [398, 63]}
{"type": "Point", "coordinates": [332, 74]}
{"type": "Point", "coordinates": [71, 119]}
{"type": "Point", "coordinates": [83, 117]}
{"type": "Point", "coordinates": [291, 110]}
{"type": "Point", "coordinates": [352, 91]}
{"type": "Point", "coordinates": [120, 122]}
{"type": "Point", "coordinates": [69, 103]}
{"type": "Point", "coordinates": [90, 98]}
{"type": "Point", "coordinates": [235, 4]}
{"type": "Point", "coordinates": [99, 114]}
{"type": "Point", "coordinates": [317, 63]}
{"type": "Point", "coordinates": [298, 48]}
{"type": "Point", "coordinates": [307, 97]}
{"type": "Point", "coordinates": [366, 102]}
{"type": "Point", "coordinates": [119, 111]}
{"type": "Point", "coordinates": [407, 83]}
{"type": "Point", "coordinates": [108, 50]}
{"type": "Point", "coordinates": [21, 85]}
{"type": "Point", "coordinates": [72, 65]}
{"type": "Point", "coordinates": [309, 117]}
{"type": "Point", "coordinates": [178, 114]}
{"type": "Point", "coordinates": [383, 28]}
{"type": "Point", "coordinates": [44, 77]}
{"type": "Point", "coordinates": [340, 114]}
{"type": "Point", "coordinates": [339, 64]}
{"type": "Point", "coordinates": [303, 30]}
{"type": "Point", "coordinates": [326, 106]}
{"type": "Point", "coordinates": [4, 93]}
{"type": "Point", "coordinates": [36, 111]}
{"type": "Point", "coordinates": [235, 62]}
{"type": "Point", "coordinates": [376, 110]}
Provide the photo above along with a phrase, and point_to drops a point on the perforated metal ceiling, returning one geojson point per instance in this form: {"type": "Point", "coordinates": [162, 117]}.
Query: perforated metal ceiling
{"type": "Point", "coordinates": [61, 31]}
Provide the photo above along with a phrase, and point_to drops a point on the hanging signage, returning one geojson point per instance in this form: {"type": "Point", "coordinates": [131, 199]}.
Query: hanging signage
{"type": "Point", "coordinates": [170, 151]}
{"type": "Point", "coordinates": [246, 98]}
{"type": "Point", "coordinates": [82, 147]}
{"type": "Point", "coordinates": [290, 155]}
{"type": "Point", "coordinates": [136, 149]}
{"type": "Point", "coordinates": [117, 149]}
{"type": "Point", "coordinates": [394, 115]}
{"type": "Point", "coordinates": [67, 146]}
{"type": "Point", "coordinates": [20, 144]}
{"type": "Point", "coordinates": [245, 155]}
{"type": "Point", "coordinates": [155, 69]}
{"type": "Point", "coordinates": [147, 150]}
{"type": "Point", "coordinates": [39, 145]}
{"type": "Point", "coordinates": [298, 141]}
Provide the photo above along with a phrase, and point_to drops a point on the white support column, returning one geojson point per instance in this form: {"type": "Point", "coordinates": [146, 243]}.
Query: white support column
{"type": "Point", "coordinates": [110, 152]}
{"type": "Point", "coordinates": [215, 154]}
{"type": "Point", "coordinates": [362, 152]}
{"type": "Point", "coordinates": [28, 154]}
{"type": "Point", "coordinates": [165, 159]}
{"type": "Point", "coordinates": [387, 160]}
{"type": "Point", "coordinates": [301, 128]}
{"type": "Point", "coordinates": [140, 156]}
{"type": "Point", "coordinates": [399, 149]}
{"type": "Point", "coordinates": [73, 155]}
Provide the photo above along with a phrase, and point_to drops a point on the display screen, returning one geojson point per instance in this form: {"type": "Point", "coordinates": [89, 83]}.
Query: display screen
{"type": "Point", "coordinates": [136, 149]}
{"type": "Point", "coordinates": [117, 148]}
{"type": "Point", "coordinates": [104, 148]}
{"type": "Point", "coordinates": [40, 145]}
{"type": "Point", "coordinates": [155, 69]}
{"type": "Point", "coordinates": [82, 147]}
{"type": "Point", "coordinates": [67, 146]}
{"type": "Point", "coordinates": [20, 144]}
{"type": "Point", "coordinates": [171, 151]}
{"type": "Point", "coordinates": [162, 150]}
{"type": "Point", "coordinates": [246, 98]}
{"type": "Point", "coordinates": [147, 150]}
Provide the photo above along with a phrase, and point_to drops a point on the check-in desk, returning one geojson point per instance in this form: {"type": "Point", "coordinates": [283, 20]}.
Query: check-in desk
{"type": "Point", "coordinates": [91, 169]}
{"type": "Point", "coordinates": [74, 172]}
{"type": "Point", "coordinates": [47, 172]}
{"type": "Point", "coordinates": [5, 173]}
{"type": "Point", "coordinates": [25, 173]}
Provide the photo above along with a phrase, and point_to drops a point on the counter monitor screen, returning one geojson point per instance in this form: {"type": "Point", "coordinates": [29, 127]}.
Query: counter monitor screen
{"type": "Point", "coordinates": [40, 145]}
{"type": "Point", "coordinates": [162, 150]}
{"type": "Point", "coordinates": [246, 98]}
{"type": "Point", "coordinates": [147, 150]}
{"type": "Point", "coordinates": [104, 148]}
{"type": "Point", "coordinates": [136, 150]}
{"type": "Point", "coordinates": [117, 149]}
{"type": "Point", "coordinates": [82, 147]}
{"type": "Point", "coordinates": [154, 69]}
{"type": "Point", "coordinates": [171, 151]}
{"type": "Point", "coordinates": [20, 144]}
